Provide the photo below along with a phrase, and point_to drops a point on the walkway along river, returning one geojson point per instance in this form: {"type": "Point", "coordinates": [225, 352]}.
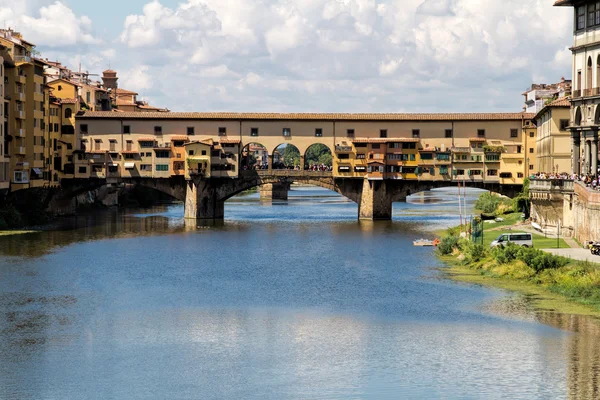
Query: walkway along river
{"type": "Point", "coordinates": [295, 300]}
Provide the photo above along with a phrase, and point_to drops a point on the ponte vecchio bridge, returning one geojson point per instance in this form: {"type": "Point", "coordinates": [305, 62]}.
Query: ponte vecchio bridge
{"type": "Point", "coordinates": [377, 159]}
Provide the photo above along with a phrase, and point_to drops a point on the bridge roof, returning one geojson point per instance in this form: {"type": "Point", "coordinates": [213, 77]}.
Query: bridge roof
{"type": "Point", "coordinates": [307, 116]}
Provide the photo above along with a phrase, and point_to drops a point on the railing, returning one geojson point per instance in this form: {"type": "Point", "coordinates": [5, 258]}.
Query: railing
{"type": "Point", "coordinates": [343, 149]}
{"type": "Point", "coordinates": [287, 173]}
{"type": "Point", "coordinates": [26, 59]}
{"type": "Point", "coordinates": [551, 185]}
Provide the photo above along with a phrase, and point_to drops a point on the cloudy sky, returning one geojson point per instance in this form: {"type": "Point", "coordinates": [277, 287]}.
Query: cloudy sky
{"type": "Point", "coordinates": [308, 55]}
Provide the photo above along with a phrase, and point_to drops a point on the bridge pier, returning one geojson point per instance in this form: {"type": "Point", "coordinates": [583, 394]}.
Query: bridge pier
{"type": "Point", "coordinates": [202, 201]}
{"type": "Point", "coordinates": [274, 191]}
{"type": "Point", "coordinates": [375, 203]}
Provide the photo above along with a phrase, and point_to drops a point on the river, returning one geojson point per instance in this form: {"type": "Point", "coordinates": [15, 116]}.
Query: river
{"type": "Point", "coordinates": [286, 300]}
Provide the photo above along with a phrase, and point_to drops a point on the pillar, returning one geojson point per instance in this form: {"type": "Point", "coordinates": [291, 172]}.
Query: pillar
{"type": "Point", "coordinates": [576, 145]}
{"type": "Point", "coordinates": [202, 202]}
{"type": "Point", "coordinates": [588, 156]}
{"type": "Point", "coordinates": [302, 163]}
{"type": "Point", "coordinates": [274, 191]}
{"type": "Point", "coordinates": [594, 153]}
{"type": "Point", "coordinates": [375, 204]}
{"type": "Point", "coordinates": [270, 163]}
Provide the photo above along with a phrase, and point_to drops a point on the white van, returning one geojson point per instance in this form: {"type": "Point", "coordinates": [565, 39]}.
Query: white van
{"type": "Point", "coordinates": [520, 239]}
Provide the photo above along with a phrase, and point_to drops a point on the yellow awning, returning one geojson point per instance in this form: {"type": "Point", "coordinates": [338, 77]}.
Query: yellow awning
{"type": "Point", "coordinates": [199, 158]}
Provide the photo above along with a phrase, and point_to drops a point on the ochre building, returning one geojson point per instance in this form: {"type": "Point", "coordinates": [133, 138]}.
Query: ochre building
{"type": "Point", "coordinates": [486, 147]}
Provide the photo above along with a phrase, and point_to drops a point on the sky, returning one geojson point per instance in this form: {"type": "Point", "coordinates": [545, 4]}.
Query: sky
{"type": "Point", "coordinates": [308, 55]}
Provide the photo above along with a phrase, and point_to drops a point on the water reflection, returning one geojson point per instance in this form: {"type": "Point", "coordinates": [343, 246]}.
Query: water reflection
{"type": "Point", "coordinates": [278, 302]}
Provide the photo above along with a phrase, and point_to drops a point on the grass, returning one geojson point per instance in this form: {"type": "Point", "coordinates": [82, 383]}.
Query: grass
{"type": "Point", "coordinates": [9, 233]}
{"type": "Point", "coordinates": [509, 220]}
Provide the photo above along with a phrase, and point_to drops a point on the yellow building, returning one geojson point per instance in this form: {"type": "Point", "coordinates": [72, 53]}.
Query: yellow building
{"type": "Point", "coordinates": [4, 143]}
{"type": "Point", "coordinates": [25, 83]}
{"type": "Point", "coordinates": [553, 138]}
{"type": "Point", "coordinates": [433, 147]}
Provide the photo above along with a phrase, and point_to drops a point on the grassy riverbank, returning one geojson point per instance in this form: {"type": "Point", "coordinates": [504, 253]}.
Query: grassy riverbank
{"type": "Point", "coordinates": [10, 233]}
{"type": "Point", "coordinates": [551, 282]}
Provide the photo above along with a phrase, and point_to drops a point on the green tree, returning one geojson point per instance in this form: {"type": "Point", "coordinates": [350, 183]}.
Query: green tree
{"type": "Point", "coordinates": [318, 154]}
{"type": "Point", "coordinates": [291, 155]}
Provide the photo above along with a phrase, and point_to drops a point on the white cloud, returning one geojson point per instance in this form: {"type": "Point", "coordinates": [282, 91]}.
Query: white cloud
{"type": "Point", "coordinates": [318, 55]}
{"type": "Point", "coordinates": [56, 26]}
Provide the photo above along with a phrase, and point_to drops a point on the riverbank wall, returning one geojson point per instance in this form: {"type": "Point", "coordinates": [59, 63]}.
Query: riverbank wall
{"type": "Point", "coordinates": [566, 207]}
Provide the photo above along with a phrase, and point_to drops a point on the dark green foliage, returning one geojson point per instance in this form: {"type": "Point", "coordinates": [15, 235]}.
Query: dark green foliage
{"type": "Point", "coordinates": [318, 154]}
{"type": "Point", "coordinates": [447, 245]}
{"type": "Point", "coordinates": [474, 252]}
{"type": "Point", "coordinates": [487, 203]}
{"type": "Point", "coordinates": [536, 259]}
{"type": "Point", "coordinates": [10, 217]}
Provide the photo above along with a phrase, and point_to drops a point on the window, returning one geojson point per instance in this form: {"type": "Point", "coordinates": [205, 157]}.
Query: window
{"type": "Point", "coordinates": [506, 175]}
{"type": "Point", "coordinates": [254, 132]}
{"type": "Point", "coordinates": [426, 156]}
{"type": "Point", "coordinates": [343, 169]}
{"type": "Point", "coordinates": [126, 129]}
{"type": "Point", "coordinates": [113, 144]}
{"type": "Point", "coordinates": [492, 157]}
{"type": "Point", "coordinates": [129, 145]}
{"type": "Point", "coordinates": [203, 152]}
{"type": "Point", "coordinates": [530, 167]}
{"type": "Point", "coordinates": [480, 133]}
{"type": "Point", "coordinates": [318, 132]}
{"type": "Point", "coordinates": [191, 152]}
{"type": "Point", "coordinates": [580, 19]}
{"type": "Point", "coordinates": [514, 133]}
{"type": "Point", "coordinates": [287, 132]}
{"type": "Point", "coordinates": [564, 123]}
{"type": "Point", "coordinates": [55, 127]}
{"type": "Point", "coordinates": [375, 146]}
{"type": "Point", "coordinates": [443, 157]}
{"type": "Point", "coordinates": [146, 167]}
{"type": "Point", "coordinates": [158, 130]}
{"type": "Point", "coordinates": [59, 88]}
{"type": "Point", "coordinates": [361, 156]}
{"type": "Point", "coordinates": [394, 145]}
{"type": "Point", "coordinates": [190, 130]}
{"type": "Point", "coordinates": [519, 149]}
{"type": "Point", "coordinates": [448, 134]}
{"type": "Point", "coordinates": [593, 10]}
{"type": "Point", "coordinates": [68, 113]}
{"type": "Point", "coordinates": [222, 131]}
{"type": "Point", "coordinates": [531, 134]}
{"type": "Point", "coordinates": [84, 128]}
{"type": "Point", "coordinates": [443, 170]}
{"type": "Point", "coordinates": [343, 156]}
{"type": "Point", "coordinates": [35, 124]}
{"type": "Point", "coordinates": [531, 150]}
{"type": "Point", "coordinates": [459, 172]}
{"type": "Point", "coordinates": [146, 143]}
{"type": "Point", "coordinates": [416, 133]}
{"type": "Point", "coordinates": [50, 126]}
{"type": "Point", "coordinates": [148, 154]}
{"type": "Point", "coordinates": [383, 133]}
{"type": "Point", "coordinates": [475, 172]}
{"type": "Point", "coordinates": [360, 145]}
{"type": "Point", "coordinates": [83, 170]}
{"type": "Point", "coordinates": [162, 167]}
{"type": "Point", "coordinates": [409, 146]}
{"type": "Point", "coordinates": [492, 172]}
{"type": "Point", "coordinates": [413, 157]}
{"type": "Point", "coordinates": [519, 174]}
{"type": "Point", "coordinates": [163, 154]}
{"type": "Point", "coordinates": [350, 132]}
{"type": "Point", "coordinates": [360, 169]}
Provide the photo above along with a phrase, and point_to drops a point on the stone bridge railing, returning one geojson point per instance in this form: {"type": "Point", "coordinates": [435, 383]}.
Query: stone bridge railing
{"type": "Point", "coordinates": [288, 173]}
{"type": "Point", "coordinates": [551, 185]}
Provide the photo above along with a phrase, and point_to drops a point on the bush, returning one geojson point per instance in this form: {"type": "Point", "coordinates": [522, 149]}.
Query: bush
{"type": "Point", "coordinates": [487, 203]}
{"type": "Point", "coordinates": [447, 245]}
{"type": "Point", "coordinates": [11, 216]}
{"type": "Point", "coordinates": [545, 261]}
{"type": "Point", "coordinates": [474, 252]}
{"type": "Point", "coordinates": [506, 254]}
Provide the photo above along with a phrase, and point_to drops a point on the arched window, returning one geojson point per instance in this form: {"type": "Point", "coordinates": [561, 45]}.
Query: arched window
{"type": "Point", "coordinates": [68, 113]}
{"type": "Point", "coordinates": [598, 70]}
{"type": "Point", "coordinates": [589, 81]}
{"type": "Point", "coordinates": [577, 118]}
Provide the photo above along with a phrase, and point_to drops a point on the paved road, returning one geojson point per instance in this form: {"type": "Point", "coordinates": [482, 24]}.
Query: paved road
{"type": "Point", "coordinates": [576, 254]}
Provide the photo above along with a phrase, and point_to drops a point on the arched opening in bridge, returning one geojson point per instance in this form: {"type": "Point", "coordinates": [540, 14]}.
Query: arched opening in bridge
{"type": "Point", "coordinates": [318, 157]}
{"type": "Point", "coordinates": [254, 156]}
{"type": "Point", "coordinates": [286, 156]}
{"type": "Point", "coordinates": [577, 118]}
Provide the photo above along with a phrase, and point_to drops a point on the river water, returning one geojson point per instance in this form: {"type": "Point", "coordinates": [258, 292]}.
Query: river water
{"type": "Point", "coordinates": [291, 300]}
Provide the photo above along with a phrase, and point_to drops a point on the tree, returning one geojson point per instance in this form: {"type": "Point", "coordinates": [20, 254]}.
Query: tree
{"type": "Point", "coordinates": [291, 155]}
{"type": "Point", "coordinates": [318, 154]}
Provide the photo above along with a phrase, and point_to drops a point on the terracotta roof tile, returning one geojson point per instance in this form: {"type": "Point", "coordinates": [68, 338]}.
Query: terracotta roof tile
{"type": "Point", "coordinates": [313, 116]}
{"type": "Point", "coordinates": [179, 137]}
{"type": "Point", "coordinates": [130, 152]}
{"type": "Point", "coordinates": [560, 102]}
{"type": "Point", "coordinates": [123, 91]}
{"type": "Point", "coordinates": [477, 139]}
{"type": "Point", "coordinates": [146, 139]}
{"type": "Point", "coordinates": [385, 140]}
{"type": "Point", "coordinates": [69, 101]}
{"type": "Point", "coordinates": [230, 141]}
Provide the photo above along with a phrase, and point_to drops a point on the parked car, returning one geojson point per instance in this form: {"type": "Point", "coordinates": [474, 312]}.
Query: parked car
{"type": "Point", "coordinates": [518, 238]}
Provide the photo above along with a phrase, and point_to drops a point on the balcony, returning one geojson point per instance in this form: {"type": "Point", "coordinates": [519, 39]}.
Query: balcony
{"type": "Point", "coordinates": [343, 149]}
{"type": "Point", "coordinates": [159, 146]}
{"type": "Point", "coordinates": [576, 93]}
{"type": "Point", "coordinates": [20, 132]}
{"type": "Point", "coordinates": [20, 96]}
{"type": "Point", "coordinates": [21, 78]}
{"type": "Point", "coordinates": [20, 114]}
{"type": "Point", "coordinates": [20, 150]}
{"type": "Point", "coordinates": [23, 59]}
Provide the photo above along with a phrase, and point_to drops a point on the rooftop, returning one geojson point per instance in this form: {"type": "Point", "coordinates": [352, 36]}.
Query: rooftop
{"type": "Point", "coordinates": [310, 116]}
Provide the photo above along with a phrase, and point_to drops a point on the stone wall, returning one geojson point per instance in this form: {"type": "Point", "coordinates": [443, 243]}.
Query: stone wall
{"type": "Point", "coordinates": [583, 214]}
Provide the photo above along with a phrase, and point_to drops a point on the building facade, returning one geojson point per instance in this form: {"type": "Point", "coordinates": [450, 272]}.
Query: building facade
{"type": "Point", "coordinates": [553, 137]}
{"type": "Point", "coordinates": [585, 110]}
{"type": "Point", "coordinates": [541, 93]}
{"type": "Point", "coordinates": [439, 147]}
